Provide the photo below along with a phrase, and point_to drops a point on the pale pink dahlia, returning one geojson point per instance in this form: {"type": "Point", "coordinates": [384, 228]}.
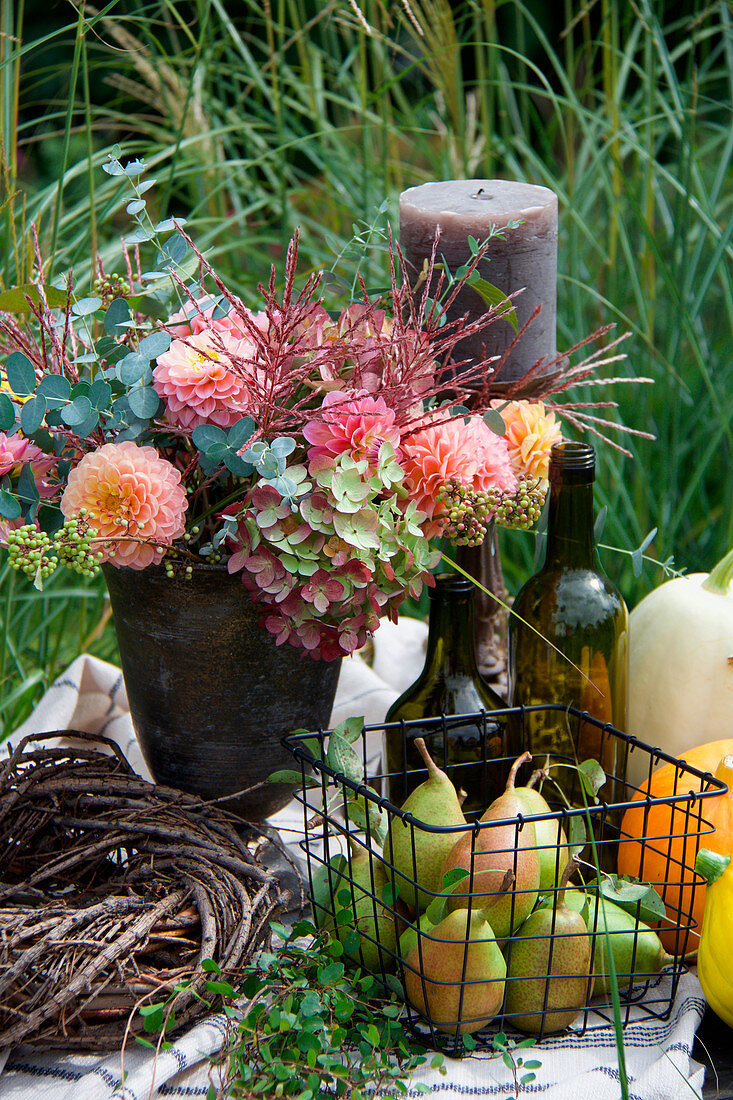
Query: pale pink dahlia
{"type": "Point", "coordinates": [530, 432]}
{"type": "Point", "coordinates": [357, 427]}
{"type": "Point", "coordinates": [128, 491]}
{"type": "Point", "coordinates": [196, 317]}
{"type": "Point", "coordinates": [451, 450]}
{"type": "Point", "coordinates": [195, 379]}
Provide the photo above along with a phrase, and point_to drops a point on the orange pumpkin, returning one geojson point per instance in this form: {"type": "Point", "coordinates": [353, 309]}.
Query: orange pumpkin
{"type": "Point", "coordinates": [663, 845]}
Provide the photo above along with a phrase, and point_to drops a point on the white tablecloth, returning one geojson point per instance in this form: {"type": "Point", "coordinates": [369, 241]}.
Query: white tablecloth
{"type": "Point", "coordinates": [91, 696]}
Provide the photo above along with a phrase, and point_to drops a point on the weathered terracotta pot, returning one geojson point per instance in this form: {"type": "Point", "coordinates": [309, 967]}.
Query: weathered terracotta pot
{"type": "Point", "coordinates": [210, 693]}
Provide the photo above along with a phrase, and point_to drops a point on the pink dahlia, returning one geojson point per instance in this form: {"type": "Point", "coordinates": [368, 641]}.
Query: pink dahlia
{"type": "Point", "coordinates": [196, 381]}
{"type": "Point", "coordinates": [133, 498]}
{"type": "Point", "coordinates": [197, 317]}
{"type": "Point", "coordinates": [453, 450]}
{"type": "Point", "coordinates": [530, 432]}
{"type": "Point", "coordinates": [356, 427]}
{"type": "Point", "coordinates": [15, 452]}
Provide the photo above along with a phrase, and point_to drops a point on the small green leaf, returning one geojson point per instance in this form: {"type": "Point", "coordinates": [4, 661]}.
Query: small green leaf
{"type": "Point", "coordinates": [592, 776]}
{"type": "Point", "coordinates": [492, 296]}
{"type": "Point", "coordinates": [209, 966]}
{"type": "Point", "coordinates": [293, 778]}
{"type": "Point", "coordinates": [343, 758]}
{"type": "Point", "coordinates": [19, 298]}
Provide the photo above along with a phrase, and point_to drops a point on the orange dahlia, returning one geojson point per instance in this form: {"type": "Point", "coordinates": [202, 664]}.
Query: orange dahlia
{"type": "Point", "coordinates": [133, 498]}
{"type": "Point", "coordinates": [530, 433]}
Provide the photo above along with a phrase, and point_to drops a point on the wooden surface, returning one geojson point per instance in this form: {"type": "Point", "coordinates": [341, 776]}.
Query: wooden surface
{"type": "Point", "coordinates": [714, 1049]}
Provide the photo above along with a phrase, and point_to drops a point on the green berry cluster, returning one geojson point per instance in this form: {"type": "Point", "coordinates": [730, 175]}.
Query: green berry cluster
{"type": "Point", "coordinates": [110, 287]}
{"type": "Point", "coordinates": [467, 514]}
{"type": "Point", "coordinates": [30, 551]}
{"type": "Point", "coordinates": [74, 544]}
{"type": "Point", "coordinates": [522, 508]}
{"type": "Point", "coordinates": [37, 554]}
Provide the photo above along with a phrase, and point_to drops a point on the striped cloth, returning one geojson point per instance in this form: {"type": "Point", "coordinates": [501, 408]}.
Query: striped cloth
{"type": "Point", "coordinates": [91, 696]}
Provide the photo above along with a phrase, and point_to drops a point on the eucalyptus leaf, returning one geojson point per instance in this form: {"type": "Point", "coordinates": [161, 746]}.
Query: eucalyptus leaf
{"type": "Point", "coordinates": [135, 367]}
{"type": "Point", "coordinates": [155, 344]}
{"type": "Point", "coordinates": [7, 413]}
{"type": "Point", "coordinates": [32, 414]}
{"type": "Point", "coordinates": [77, 411]}
{"type": "Point", "coordinates": [86, 306]}
{"type": "Point", "coordinates": [9, 505]}
{"type": "Point", "coordinates": [27, 489]}
{"type": "Point", "coordinates": [205, 435]}
{"type": "Point", "coordinates": [493, 420]}
{"type": "Point", "coordinates": [144, 402]}
{"type": "Point", "coordinates": [100, 394]}
{"type": "Point", "coordinates": [236, 465]}
{"type": "Point", "coordinates": [20, 373]}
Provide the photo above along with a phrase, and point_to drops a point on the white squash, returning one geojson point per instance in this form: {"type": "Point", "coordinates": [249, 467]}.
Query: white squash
{"type": "Point", "coordinates": [681, 664]}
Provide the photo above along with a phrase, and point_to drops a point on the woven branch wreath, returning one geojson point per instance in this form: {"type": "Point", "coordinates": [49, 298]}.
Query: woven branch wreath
{"type": "Point", "coordinates": [113, 891]}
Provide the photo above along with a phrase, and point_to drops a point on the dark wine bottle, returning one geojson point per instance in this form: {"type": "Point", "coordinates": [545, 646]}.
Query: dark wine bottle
{"type": "Point", "coordinates": [449, 684]}
{"type": "Point", "coordinates": [573, 606]}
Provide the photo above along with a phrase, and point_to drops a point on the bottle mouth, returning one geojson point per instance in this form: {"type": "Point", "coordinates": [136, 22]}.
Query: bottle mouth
{"type": "Point", "coordinates": [566, 456]}
{"type": "Point", "coordinates": [450, 582]}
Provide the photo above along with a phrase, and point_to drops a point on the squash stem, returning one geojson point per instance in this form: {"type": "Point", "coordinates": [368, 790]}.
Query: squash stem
{"type": "Point", "coordinates": [711, 865]}
{"type": "Point", "coordinates": [720, 577]}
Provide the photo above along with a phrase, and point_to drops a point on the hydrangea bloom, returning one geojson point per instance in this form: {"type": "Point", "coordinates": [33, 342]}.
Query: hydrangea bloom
{"type": "Point", "coordinates": [358, 427]}
{"type": "Point", "coordinates": [530, 433]}
{"type": "Point", "coordinates": [128, 491]}
{"type": "Point", "coordinates": [467, 452]}
{"type": "Point", "coordinates": [195, 379]}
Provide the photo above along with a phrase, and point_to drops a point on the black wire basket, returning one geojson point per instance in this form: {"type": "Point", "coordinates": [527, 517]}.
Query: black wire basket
{"type": "Point", "coordinates": [463, 971]}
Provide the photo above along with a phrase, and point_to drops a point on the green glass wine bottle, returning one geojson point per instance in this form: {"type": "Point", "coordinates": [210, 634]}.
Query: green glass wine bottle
{"type": "Point", "coordinates": [449, 684]}
{"type": "Point", "coordinates": [572, 605]}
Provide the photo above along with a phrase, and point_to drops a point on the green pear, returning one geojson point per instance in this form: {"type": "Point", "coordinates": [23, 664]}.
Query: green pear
{"type": "Point", "coordinates": [498, 844]}
{"type": "Point", "coordinates": [548, 967]}
{"type": "Point", "coordinates": [418, 872]}
{"type": "Point", "coordinates": [349, 901]}
{"type": "Point", "coordinates": [636, 950]}
{"type": "Point", "coordinates": [552, 842]}
{"type": "Point", "coordinates": [454, 973]}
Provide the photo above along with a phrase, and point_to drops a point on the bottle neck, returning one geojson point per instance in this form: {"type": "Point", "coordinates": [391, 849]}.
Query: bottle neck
{"type": "Point", "coordinates": [451, 647]}
{"type": "Point", "coordinates": [570, 538]}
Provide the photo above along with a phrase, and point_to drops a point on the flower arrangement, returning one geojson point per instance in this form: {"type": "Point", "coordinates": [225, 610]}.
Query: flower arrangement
{"type": "Point", "coordinates": [160, 420]}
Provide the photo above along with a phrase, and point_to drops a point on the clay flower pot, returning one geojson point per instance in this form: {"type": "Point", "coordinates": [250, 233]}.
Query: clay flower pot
{"type": "Point", "coordinates": [210, 693]}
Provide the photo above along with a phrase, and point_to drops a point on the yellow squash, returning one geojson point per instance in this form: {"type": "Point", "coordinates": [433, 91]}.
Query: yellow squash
{"type": "Point", "coordinates": [714, 962]}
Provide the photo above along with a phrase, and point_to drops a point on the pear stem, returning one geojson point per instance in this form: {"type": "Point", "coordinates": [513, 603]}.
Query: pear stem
{"type": "Point", "coordinates": [523, 759]}
{"type": "Point", "coordinates": [506, 884]}
{"type": "Point", "coordinates": [570, 869]}
{"type": "Point", "coordinates": [433, 769]}
{"type": "Point", "coordinates": [536, 776]}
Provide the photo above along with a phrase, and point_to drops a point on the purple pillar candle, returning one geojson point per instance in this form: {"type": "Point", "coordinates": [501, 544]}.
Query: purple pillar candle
{"type": "Point", "coordinates": [525, 259]}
